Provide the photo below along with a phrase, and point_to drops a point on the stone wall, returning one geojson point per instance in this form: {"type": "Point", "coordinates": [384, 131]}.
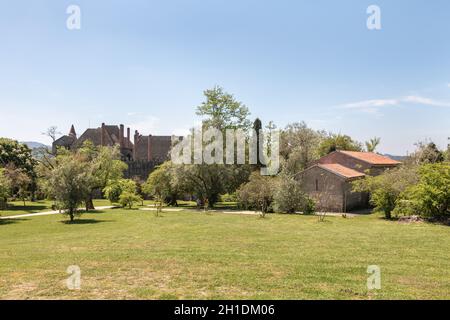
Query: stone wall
{"type": "Point", "coordinates": [331, 192]}
{"type": "Point", "coordinates": [140, 169]}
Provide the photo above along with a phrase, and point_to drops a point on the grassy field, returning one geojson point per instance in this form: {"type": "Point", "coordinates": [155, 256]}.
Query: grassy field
{"type": "Point", "coordinates": [126, 254]}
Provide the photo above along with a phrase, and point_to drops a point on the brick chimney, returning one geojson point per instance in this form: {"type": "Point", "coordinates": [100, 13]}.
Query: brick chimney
{"type": "Point", "coordinates": [103, 135]}
{"type": "Point", "coordinates": [121, 136]}
{"type": "Point", "coordinates": [128, 138]}
{"type": "Point", "coordinates": [136, 137]}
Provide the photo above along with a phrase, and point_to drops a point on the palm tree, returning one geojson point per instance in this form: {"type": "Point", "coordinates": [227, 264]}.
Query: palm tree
{"type": "Point", "coordinates": [372, 144]}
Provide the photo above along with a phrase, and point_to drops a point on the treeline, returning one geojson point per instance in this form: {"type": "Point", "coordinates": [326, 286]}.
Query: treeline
{"type": "Point", "coordinates": [420, 186]}
{"type": "Point", "coordinates": [73, 178]}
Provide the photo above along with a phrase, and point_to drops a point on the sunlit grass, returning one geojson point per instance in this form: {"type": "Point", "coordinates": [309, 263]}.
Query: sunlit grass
{"type": "Point", "coordinates": [127, 254]}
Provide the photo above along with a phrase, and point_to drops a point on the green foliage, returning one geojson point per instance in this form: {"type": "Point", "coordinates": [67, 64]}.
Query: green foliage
{"type": "Point", "coordinates": [104, 167]}
{"type": "Point", "coordinates": [128, 199]}
{"type": "Point", "coordinates": [5, 189]}
{"type": "Point", "coordinates": [386, 188]}
{"type": "Point", "coordinates": [222, 111]}
{"type": "Point", "coordinates": [430, 197]}
{"type": "Point", "coordinates": [289, 196]}
{"type": "Point", "coordinates": [428, 153]}
{"type": "Point", "coordinates": [299, 147]}
{"type": "Point", "coordinates": [18, 155]}
{"type": "Point", "coordinates": [372, 144]}
{"type": "Point", "coordinates": [227, 197]}
{"type": "Point", "coordinates": [257, 193]}
{"type": "Point", "coordinates": [69, 183]}
{"type": "Point", "coordinates": [161, 184]}
{"type": "Point", "coordinates": [115, 188]}
{"type": "Point", "coordinates": [338, 142]}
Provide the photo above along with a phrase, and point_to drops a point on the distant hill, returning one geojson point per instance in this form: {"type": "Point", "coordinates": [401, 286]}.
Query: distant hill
{"type": "Point", "coordinates": [397, 158]}
{"type": "Point", "coordinates": [35, 145]}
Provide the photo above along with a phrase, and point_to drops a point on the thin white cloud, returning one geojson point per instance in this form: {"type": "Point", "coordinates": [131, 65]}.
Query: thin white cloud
{"type": "Point", "coordinates": [370, 104]}
{"type": "Point", "coordinates": [426, 101]}
{"type": "Point", "coordinates": [373, 106]}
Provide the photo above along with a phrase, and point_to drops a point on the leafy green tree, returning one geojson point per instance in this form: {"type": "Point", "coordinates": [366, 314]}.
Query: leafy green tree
{"type": "Point", "coordinates": [299, 147]}
{"type": "Point", "coordinates": [428, 153]}
{"type": "Point", "coordinates": [290, 198]}
{"type": "Point", "coordinates": [17, 154]}
{"type": "Point", "coordinates": [115, 188]}
{"type": "Point", "coordinates": [257, 193]}
{"type": "Point", "coordinates": [162, 186]}
{"type": "Point", "coordinates": [372, 144]}
{"type": "Point", "coordinates": [5, 189]}
{"type": "Point", "coordinates": [20, 182]}
{"type": "Point", "coordinates": [386, 189]}
{"type": "Point", "coordinates": [336, 142]}
{"type": "Point", "coordinates": [69, 184]}
{"type": "Point", "coordinates": [430, 197]}
{"type": "Point", "coordinates": [128, 199]}
{"type": "Point", "coordinates": [222, 111]}
{"type": "Point", "coordinates": [104, 167]}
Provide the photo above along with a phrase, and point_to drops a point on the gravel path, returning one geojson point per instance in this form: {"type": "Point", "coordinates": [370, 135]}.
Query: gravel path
{"type": "Point", "coordinates": [47, 213]}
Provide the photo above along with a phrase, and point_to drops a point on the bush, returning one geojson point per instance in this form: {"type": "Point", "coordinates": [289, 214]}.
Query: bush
{"type": "Point", "coordinates": [430, 197]}
{"type": "Point", "coordinates": [228, 197]}
{"type": "Point", "coordinates": [257, 194]}
{"type": "Point", "coordinates": [114, 189]}
{"type": "Point", "coordinates": [290, 198]}
{"type": "Point", "coordinates": [388, 187]}
{"type": "Point", "coordinates": [128, 199]}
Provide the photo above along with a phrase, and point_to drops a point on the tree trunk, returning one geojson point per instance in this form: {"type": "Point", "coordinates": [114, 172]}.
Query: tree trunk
{"type": "Point", "coordinates": [71, 215]}
{"type": "Point", "coordinates": [89, 203]}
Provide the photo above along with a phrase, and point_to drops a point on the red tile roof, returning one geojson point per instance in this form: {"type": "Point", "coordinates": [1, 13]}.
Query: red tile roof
{"type": "Point", "coordinates": [371, 158]}
{"type": "Point", "coordinates": [341, 170]}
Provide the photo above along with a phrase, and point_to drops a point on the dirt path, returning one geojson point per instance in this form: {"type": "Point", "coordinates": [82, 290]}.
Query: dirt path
{"type": "Point", "coordinates": [47, 213]}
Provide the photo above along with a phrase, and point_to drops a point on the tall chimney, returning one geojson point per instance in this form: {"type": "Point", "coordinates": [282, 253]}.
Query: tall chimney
{"type": "Point", "coordinates": [128, 138]}
{"type": "Point", "coordinates": [103, 134]}
{"type": "Point", "coordinates": [149, 148]}
{"type": "Point", "coordinates": [136, 137]}
{"type": "Point", "coordinates": [121, 135]}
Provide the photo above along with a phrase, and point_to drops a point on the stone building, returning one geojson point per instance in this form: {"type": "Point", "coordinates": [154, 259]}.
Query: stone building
{"type": "Point", "coordinates": [141, 155]}
{"type": "Point", "coordinates": [329, 180]}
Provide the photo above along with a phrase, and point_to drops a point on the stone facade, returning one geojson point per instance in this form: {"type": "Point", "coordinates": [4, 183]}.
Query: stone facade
{"type": "Point", "coordinates": [329, 180]}
{"type": "Point", "coordinates": [142, 155]}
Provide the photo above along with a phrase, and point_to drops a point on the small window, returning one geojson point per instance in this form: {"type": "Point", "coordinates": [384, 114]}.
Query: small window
{"type": "Point", "coordinates": [317, 185]}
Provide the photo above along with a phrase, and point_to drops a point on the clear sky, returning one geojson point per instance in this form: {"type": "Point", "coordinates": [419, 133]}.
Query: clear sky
{"type": "Point", "coordinates": [146, 64]}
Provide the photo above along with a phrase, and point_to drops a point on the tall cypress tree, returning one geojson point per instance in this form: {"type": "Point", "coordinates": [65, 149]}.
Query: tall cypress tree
{"type": "Point", "coordinates": [257, 126]}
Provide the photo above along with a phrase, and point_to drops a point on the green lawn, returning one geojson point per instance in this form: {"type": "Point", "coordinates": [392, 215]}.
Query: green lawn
{"type": "Point", "coordinates": [128, 254]}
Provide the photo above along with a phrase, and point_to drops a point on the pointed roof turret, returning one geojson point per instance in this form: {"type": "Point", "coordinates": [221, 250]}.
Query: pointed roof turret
{"type": "Point", "coordinates": [72, 132]}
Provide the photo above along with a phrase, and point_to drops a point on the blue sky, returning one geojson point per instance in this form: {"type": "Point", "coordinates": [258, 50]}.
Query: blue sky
{"type": "Point", "coordinates": [146, 64]}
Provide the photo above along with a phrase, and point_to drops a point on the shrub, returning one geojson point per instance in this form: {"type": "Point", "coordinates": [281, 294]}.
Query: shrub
{"type": "Point", "coordinates": [290, 198]}
{"type": "Point", "coordinates": [128, 199]}
{"type": "Point", "coordinates": [257, 194]}
{"type": "Point", "coordinates": [430, 197]}
{"type": "Point", "coordinates": [114, 189]}
{"type": "Point", "coordinates": [388, 187]}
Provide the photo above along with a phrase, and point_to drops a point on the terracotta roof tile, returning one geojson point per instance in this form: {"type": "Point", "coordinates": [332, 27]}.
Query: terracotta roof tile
{"type": "Point", "coordinates": [341, 170]}
{"type": "Point", "coordinates": [371, 158]}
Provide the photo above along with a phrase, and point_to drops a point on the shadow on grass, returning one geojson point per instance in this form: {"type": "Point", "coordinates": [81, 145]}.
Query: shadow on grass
{"type": "Point", "coordinates": [85, 221]}
{"type": "Point", "coordinates": [11, 221]}
{"type": "Point", "coordinates": [28, 209]}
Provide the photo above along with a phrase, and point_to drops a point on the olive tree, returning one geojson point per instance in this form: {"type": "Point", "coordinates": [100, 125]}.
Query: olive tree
{"type": "Point", "coordinates": [69, 184]}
